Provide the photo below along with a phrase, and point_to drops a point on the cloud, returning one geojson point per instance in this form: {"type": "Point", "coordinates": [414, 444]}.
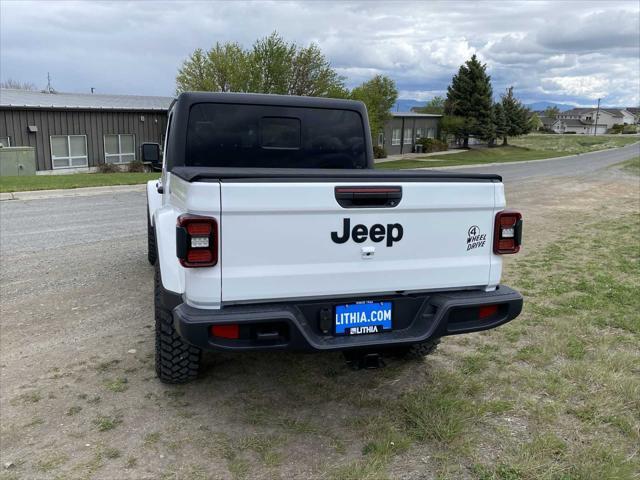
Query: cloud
{"type": "Point", "coordinates": [548, 50]}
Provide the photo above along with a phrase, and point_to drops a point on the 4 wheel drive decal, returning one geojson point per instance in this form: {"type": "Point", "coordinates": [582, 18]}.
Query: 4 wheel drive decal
{"type": "Point", "coordinates": [475, 239]}
{"type": "Point", "coordinates": [377, 233]}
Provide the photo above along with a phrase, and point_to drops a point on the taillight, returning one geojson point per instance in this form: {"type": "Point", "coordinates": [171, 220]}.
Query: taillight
{"type": "Point", "coordinates": [507, 236]}
{"type": "Point", "coordinates": [231, 331]}
{"type": "Point", "coordinates": [197, 241]}
{"type": "Point", "coordinates": [487, 311]}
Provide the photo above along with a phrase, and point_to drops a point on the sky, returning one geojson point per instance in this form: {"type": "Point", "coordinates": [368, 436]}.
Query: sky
{"type": "Point", "coordinates": [567, 52]}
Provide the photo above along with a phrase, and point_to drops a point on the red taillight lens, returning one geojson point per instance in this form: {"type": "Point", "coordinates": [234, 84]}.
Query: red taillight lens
{"type": "Point", "coordinates": [231, 331]}
{"type": "Point", "coordinates": [199, 228]}
{"type": "Point", "coordinates": [197, 241]}
{"type": "Point", "coordinates": [199, 256]}
{"type": "Point", "coordinates": [507, 236]}
{"type": "Point", "coordinates": [487, 311]}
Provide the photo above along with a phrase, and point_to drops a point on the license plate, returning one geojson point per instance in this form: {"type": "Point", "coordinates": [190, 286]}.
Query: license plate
{"type": "Point", "coordinates": [363, 317]}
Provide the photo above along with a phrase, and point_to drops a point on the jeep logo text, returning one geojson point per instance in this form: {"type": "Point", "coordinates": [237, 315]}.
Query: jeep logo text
{"type": "Point", "coordinates": [377, 233]}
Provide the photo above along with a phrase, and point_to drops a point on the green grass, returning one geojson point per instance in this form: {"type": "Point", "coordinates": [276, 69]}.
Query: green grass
{"type": "Point", "coordinates": [572, 144]}
{"type": "Point", "coordinates": [472, 157]}
{"type": "Point", "coordinates": [529, 147]}
{"type": "Point", "coordinates": [105, 423]}
{"type": "Point", "coordinates": [631, 166]}
{"type": "Point", "coordinates": [558, 400]}
{"type": "Point", "coordinates": [74, 180]}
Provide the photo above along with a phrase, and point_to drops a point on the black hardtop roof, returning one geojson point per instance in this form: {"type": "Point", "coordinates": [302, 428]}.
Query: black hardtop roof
{"type": "Point", "coordinates": [181, 107]}
{"type": "Point", "coordinates": [190, 98]}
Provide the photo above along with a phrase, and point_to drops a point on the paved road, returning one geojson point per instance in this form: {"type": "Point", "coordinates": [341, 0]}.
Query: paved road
{"type": "Point", "coordinates": [56, 222]}
{"type": "Point", "coordinates": [570, 166]}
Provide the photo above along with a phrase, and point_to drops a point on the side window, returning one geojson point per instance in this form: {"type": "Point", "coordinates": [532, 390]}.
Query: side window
{"type": "Point", "coordinates": [119, 148]}
{"type": "Point", "coordinates": [395, 137]}
{"type": "Point", "coordinates": [408, 132]}
{"type": "Point", "coordinates": [68, 151]}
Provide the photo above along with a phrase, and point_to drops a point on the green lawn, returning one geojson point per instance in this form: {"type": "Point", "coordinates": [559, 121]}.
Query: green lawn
{"type": "Point", "coordinates": [75, 180]}
{"type": "Point", "coordinates": [553, 395]}
{"type": "Point", "coordinates": [530, 147]}
{"type": "Point", "coordinates": [572, 144]}
{"type": "Point", "coordinates": [472, 157]}
{"type": "Point", "coordinates": [632, 166]}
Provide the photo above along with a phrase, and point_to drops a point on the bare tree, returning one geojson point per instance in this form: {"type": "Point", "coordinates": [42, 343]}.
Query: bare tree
{"type": "Point", "coordinates": [15, 84]}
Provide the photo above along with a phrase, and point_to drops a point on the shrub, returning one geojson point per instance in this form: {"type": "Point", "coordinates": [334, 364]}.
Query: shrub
{"type": "Point", "coordinates": [432, 145]}
{"type": "Point", "coordinates": [379, 152]}
{"type": "Point", "coordinates": [108, 168]}
{"type": "Point", "coordinates": [136, 166]}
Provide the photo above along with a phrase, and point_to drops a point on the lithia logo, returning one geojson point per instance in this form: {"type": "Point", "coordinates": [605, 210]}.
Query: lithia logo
{"type": "Point", "coordinates": [475, 239]}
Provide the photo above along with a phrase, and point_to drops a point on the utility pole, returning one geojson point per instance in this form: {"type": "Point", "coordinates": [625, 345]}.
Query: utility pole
{"type": "Point", "coordinates": [49, 88]}
{"type": "Point", "coordinates": [595, 127]}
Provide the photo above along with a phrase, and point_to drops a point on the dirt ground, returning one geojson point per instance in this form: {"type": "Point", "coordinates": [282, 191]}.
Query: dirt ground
{"type": "Point", "coordinates": [79, 397]}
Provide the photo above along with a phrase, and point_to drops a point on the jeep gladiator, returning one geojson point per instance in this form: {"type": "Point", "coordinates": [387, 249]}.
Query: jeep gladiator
{"type": "Point", "coordinates": [270, 229]}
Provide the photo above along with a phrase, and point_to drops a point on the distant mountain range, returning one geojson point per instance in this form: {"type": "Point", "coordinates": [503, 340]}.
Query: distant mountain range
{"type": "Point", "coordinates": [538, 106]}
{"type": "Point", "coordinates": [406, 104]}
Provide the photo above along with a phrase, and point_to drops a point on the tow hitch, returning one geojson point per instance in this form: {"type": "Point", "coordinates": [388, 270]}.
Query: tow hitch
{"type": "Point", "coordinates": [359, 360]}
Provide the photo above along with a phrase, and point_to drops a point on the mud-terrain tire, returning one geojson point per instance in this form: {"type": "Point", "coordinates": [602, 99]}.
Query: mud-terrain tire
{"type": "Point", "coordinates": [416, 351]}
{"type": "Point", "coordinates": [152, 253]}
{"type": "Point", "coordinates": [176, 360]}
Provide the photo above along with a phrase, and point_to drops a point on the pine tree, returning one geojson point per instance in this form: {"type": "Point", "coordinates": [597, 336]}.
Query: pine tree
{"type": "Point", "coordinates": [516, 116]}
{"type": "Point", "coordinates": [470, 96]}
{"type": "Point", "coordinates": [499, 121]}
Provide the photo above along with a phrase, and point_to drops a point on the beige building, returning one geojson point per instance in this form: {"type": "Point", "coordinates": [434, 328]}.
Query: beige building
{"type": "Point", "coordinates": [583, 120]}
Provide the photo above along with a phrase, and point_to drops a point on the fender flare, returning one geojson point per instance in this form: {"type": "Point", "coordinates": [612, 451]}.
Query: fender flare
{"type": "Point", "coordinates": [154, 200]}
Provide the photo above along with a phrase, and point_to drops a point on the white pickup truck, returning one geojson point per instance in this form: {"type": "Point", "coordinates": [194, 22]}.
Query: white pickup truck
{"type": "Point", "coordinates": [270, 229]}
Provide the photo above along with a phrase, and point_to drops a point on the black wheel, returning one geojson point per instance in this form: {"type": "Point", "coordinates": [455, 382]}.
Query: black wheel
{"type": "Point", "coordinates": [152, 253]}
{"type": "Point", "coordinates": [176, 360]}
{"type": "Point", "coordinates": [416, 351]}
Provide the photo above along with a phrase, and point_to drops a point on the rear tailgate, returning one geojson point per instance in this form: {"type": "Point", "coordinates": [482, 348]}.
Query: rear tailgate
{"type": "Point", "coordinates": [276, 238]}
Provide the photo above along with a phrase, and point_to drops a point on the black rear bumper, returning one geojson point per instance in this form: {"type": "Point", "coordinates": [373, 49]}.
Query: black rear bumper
{"type": "Point", "coordinates": [302, 326]}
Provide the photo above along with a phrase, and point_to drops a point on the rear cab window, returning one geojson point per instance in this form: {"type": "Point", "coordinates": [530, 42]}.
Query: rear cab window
{"type": "Point", "coordinates": [263, 136]}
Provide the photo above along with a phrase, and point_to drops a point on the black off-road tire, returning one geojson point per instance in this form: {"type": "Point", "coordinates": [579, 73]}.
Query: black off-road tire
{"type": "Point", "coordinates": [152, 252]}
{"type": "Point", "coordinates": [417, 350]}
{"type": "Point", "coordinates": [176, 360]}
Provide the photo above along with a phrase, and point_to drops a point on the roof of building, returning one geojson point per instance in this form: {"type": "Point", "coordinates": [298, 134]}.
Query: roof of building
{"type": "Point", "coordinates": [547, 120]}
{"type": "Point", "coordinates": [81, 101]}
{"type": "Point", "coordinates": [577, 111]}
{"type": "Point", "coordinates": [633, 110]}
{"type": "Point", "coordinates": [615, 112]}
{"type": "Point", "coordinates": [574, 122]}
{"type": "Point", "coordinates": [414, 114]}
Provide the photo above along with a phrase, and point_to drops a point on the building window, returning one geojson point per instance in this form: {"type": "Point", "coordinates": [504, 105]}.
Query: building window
{"type": "Point", "coordinates": [395, 138]}
{"type": "Point", "coordinates": [419, 133]}
{"type": "Point", "coordinates": [119, 148]}
{"type": "Point", "coordinates": [5, 141]}
{"type": "Point", "coordinates": [381, 139]}
{"type": "Point", "coordinates": [407, 136]}
{"type": "Point", "coordinates": [431, 133]}
{"type": "Point", "coordinates": [69, 151]}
